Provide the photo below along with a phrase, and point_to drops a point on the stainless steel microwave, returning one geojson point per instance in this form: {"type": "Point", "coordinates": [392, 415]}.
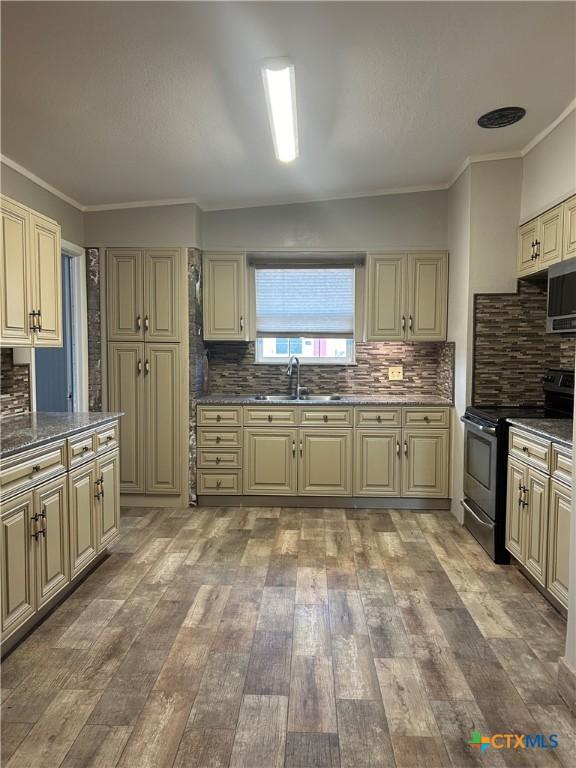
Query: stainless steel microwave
{"type": "Point", "coordinates": [562, 298]}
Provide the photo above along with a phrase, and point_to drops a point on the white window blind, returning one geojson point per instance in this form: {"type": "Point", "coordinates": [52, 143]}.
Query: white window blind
{"type": "Point", "coordinates": [305, 301]}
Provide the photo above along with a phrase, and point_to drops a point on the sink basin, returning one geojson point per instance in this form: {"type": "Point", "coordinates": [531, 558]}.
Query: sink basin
{"type": "Point", "coordinates": [306, 398]}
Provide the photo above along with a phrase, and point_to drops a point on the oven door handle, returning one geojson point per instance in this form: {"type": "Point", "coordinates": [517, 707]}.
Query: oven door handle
{"type": "Point", "coordinates": [487, 430]}
{"type": "Point", "coordinates": [469, 509]}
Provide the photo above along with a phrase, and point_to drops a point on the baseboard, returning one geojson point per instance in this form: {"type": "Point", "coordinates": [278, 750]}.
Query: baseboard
{"type": "Point", "coordinates": [151, 501]}
{"type": "Point", "coordinates": [567, 683]}
{"type": "Point", "coordinates": [332, 502]}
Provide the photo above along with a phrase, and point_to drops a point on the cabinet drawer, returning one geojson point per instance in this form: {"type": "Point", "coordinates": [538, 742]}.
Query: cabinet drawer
{"type": "Point", "coordinates": [561, 464]}
{"type": "Point", "coordinates": [25, 470]}
{"type": "Point", "coordinates": [326, 417]}
{"type": "Point", "coordinates": [531, 449]}
{"type": "Point", "coordinates": [219, 438]}
{"type": "Point", "coordinates": [80, 449]}
{"type": "Point", "coordinates": [260, 417]}
{"type": "Point", "coordinates": [426, 417]}
{"type": "Point", "coordinates": [107, 437]}
{"type": "Point", "coordinates": [378, 417]}
{"type": "Point", "coordinates": [210, 482]}
{"type": "Point", "coordinates": [219, 416]}
{"type": "Point", "coordinates": [210, 458]}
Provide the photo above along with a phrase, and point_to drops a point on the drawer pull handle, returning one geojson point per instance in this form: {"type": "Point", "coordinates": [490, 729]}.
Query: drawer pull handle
{"type": "Point", "coordinates": [85, 448]}
{"type": "Point", "coordinates": [218, 439]}
{"type": "Point", "coordinates": [525, 448]}
{"type": "Point", "coordinates": [36, 468]}
{"type": "Point", "coordinates": [108, 438]}
{"type": "Point", "coordinates": [378, 418]}
{"type": "Point", "coordinates": [325, 417]}
{"type": "Point", "coordinates": [269, 417]}
{"type": "Point", "coordinates": [218, 417]}
{"type": "Point", "coordinates": [218, 459]}
{"type": "Point", "coordinates": [426, 419]}
{"type": "Point", "coordinates": [218, 483]}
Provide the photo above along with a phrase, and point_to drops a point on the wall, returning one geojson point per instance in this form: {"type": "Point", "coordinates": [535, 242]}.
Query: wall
{"type": "Point", "coordinates": [156, 226]}
{"type": "Point", "coordinates": [428, 371]}
{"type": "Point", "coordinates": [23, 190]}
{"type": "Point", "coordinates": [409, 222]}
{"type": "Point", "coordinates": [549, 170]}
{"type": "Point", "coordinates": [14, 385]}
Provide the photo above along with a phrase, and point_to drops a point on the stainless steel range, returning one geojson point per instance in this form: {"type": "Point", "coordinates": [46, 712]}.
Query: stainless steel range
{"type": "Point", "coordinates": [485, 458]}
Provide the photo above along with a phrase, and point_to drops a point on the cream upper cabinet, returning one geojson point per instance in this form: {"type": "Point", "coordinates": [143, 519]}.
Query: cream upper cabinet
{"type": "Point", "coordinates": [570, 228]}
{"type": "Point", "coordinates": [515, 503]}
{"type": "Point", "coordinates": [52, 552]}
{"type": "Point", "coordinates": [427, 296]}
{"type": "Point", "coordinates": [30, 278]}
{"type": "Point", "coordinates": [550, 246]}
{"type": "Point", "coordinates": [536, 513]}
{"type": "Point", "coordinates": [377, 464]}
{"type": "Point", "coordinates": [107, 499]}
{"type": "Point", "coordinates": [325, 464]}
{"type": "Point", "coordinates": [425, 469]}
{"type": "Point", "coordinates": [15, 276]}
{"type": "Point", "coordinates": [163, 419]}
{"type": "Point", "coordinates": [126, 394]}
{"type": "Point", "coordinates": [224, 297]}
{"type": "Point", "coordinates": [144, 289]}
{"type": "Point", "coordinates": [47, 281]}
{"type": "Point", "coordinates": [559, 541]}
{"type": "Point", "coordinates": [270, 461]}
{"type": "Point", "coordinates": [527, 240]}
{"type": "Point", "coordinates": [124, 294]}
{"type": "Point", "coordinates": [407, 296]}
{"type": "Point", "coordinates": [385, 292]}
{"type": "Point", "coordinates": [17, 563]}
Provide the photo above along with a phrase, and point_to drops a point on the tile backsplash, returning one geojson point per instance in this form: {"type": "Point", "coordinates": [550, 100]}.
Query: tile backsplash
{"type": "Point", "coordinates": [14, 385]}
{"type": "Point", "coordinates": [428, 370]}
{"type": "Point", "coordinates": [511, 347]}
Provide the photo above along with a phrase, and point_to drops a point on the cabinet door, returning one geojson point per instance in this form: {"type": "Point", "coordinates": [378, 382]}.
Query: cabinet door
{"type": "Point", "coordinates": [425, 472]}
{"type": "Point", "coordinates": [126, 394]}
{"type": "Point", "coordinates": [162, 291]}
{"type": "Point", "coordinates": [163, 421]}
{"type": "Point", "coordinates": [385, 290]}
{"type": "Point", "coordinates": [550, 243]}
{"type": "Point", "coordinates": [224, 299]}
{"type": "Point", "coordinates": [82, 490]}
{"type": "Point", "coordinates": [570, 228]}
{"type": "Point", "coordinates": [559, 541]}
{"type": "Point", "coordinates": [377, 462]}
{"type": "Point", "coordinates": [46, 262]}
{"type": "Point", "coordinates": [535, 545]}
{"type": "Point", "coordinates": [270, 465]}
{"type": "Point", "coordinates": [527, 236]}
{"type": "Point", "coordinates": [17, 563]}
{"type": "Point", "coordinates": [108, 503]}
{"type": "Point", "coordinates": [15, 277]}
{"type": "Point", "coordinates": [325, 465]}
{"type": "Point", "coordinates": [515, 504]}
{"type": "Point", "coordinates": [427, 296]}
{"type": "Point", "coordinates": [53, 547]}
{"type": "Point", "coordinates": [124, 294]}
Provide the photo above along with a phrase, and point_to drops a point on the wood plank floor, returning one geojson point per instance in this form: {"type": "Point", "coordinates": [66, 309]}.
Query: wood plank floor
{"type": "Point", "coordinates": [283, 638]}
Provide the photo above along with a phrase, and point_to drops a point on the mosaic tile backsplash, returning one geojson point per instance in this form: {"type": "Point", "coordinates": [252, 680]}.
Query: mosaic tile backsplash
{"type": "Point", "coordinates": [14, 385]}
{"type": "Point", "coordinates": [428, 370]}
{"type": "Point", "coordinates": [511, 347]}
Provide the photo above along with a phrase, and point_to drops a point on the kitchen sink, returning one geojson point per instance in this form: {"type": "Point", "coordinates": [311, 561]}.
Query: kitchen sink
{"type": "Point", "coordinates": [303, 398]}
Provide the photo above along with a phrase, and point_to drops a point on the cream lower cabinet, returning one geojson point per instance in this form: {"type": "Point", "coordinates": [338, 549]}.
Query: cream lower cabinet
{"type": "Point", "coordinates": [30, 278]}
{"type": "Point", "coordinates": [378, 462]}
{"type": "Point", "coordinates": [107, 500]}
{"type": "Point", "coordinates": [425, 467]}
{"type": "Point", "coordinates": [270, 461]}
{"type": "Point", "coordinates": [325, 466]}
{"type": "Point", "coordinates": [18, 563]}
{"type": "Point", "coordinates": [83, 538]}
{"type": "Point", "coordinates": [559, 540]}
{"type": "Point", "coordinates": [52, 547]}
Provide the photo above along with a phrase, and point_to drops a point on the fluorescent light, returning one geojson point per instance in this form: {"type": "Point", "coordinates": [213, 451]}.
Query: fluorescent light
{"type": "Point", "coordinates": [278, 76]}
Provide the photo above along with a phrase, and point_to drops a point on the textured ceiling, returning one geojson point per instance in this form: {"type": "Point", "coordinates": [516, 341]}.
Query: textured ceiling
{"type": "Point", "coordinates": [117, 102]}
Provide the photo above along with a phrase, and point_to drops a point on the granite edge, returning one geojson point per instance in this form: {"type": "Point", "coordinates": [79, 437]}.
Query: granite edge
{"type": "Point", "coordinates": [540, 432]}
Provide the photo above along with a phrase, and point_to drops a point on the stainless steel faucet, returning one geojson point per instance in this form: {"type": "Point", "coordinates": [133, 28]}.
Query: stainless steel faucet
{"type": "Point", "coordinates": [291, 362]}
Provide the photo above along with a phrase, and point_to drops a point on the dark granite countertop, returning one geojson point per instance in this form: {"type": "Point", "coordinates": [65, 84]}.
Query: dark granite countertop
{"type": "Point", "coordinates": [29, 430]}
{"type": "Point", "coordinates": [557, 430]}
{"type": "Point", "coordinates": [368, 400]}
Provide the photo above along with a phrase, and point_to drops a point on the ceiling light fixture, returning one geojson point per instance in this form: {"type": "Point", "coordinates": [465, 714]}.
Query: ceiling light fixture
{"type": "Point", "coordinates": [501, 117]}
{"type": "Point", "coordinates": [278, 77]}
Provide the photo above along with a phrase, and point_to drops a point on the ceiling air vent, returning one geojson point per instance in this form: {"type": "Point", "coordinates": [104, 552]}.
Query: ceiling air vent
{"type": "Point", "coordinates": [499, 118]}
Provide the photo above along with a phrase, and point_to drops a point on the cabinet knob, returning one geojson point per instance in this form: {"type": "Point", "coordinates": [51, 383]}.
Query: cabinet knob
{"type": "Point", "coordinates": [269, 417]}
{"type": "Point", "coordinates": [218, 438]}
{"type": "Point", "coordinates": [379, 418]}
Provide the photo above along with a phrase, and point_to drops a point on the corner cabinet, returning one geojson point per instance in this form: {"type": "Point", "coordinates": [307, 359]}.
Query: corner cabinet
{"type": "Point", "coordinates": [407, 296]}
{"type": "Point", "coordinates": [224, 299]}
{"type": "Point", "coordinates": [547, 239]}
{"type": "Point", "coordinates": [30, 278]}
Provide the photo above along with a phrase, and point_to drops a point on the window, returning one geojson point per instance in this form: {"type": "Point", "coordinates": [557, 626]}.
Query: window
{"type": "Point", "coordinates": [306, 311]}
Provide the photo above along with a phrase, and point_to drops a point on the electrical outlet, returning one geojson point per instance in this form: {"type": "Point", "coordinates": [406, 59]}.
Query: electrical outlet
{"type": "Point", "coordinates": [396, 373]}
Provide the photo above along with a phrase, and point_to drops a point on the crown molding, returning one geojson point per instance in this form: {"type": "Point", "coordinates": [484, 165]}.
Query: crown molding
{"type": "Point", "coordinates": [141, 204]}
{"type": "Point", "coordinates": [549, 128]}
{"type": "Point", "coordinates": [41, 183]}
{"type": "Point", "coordinates": [472, 159]}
